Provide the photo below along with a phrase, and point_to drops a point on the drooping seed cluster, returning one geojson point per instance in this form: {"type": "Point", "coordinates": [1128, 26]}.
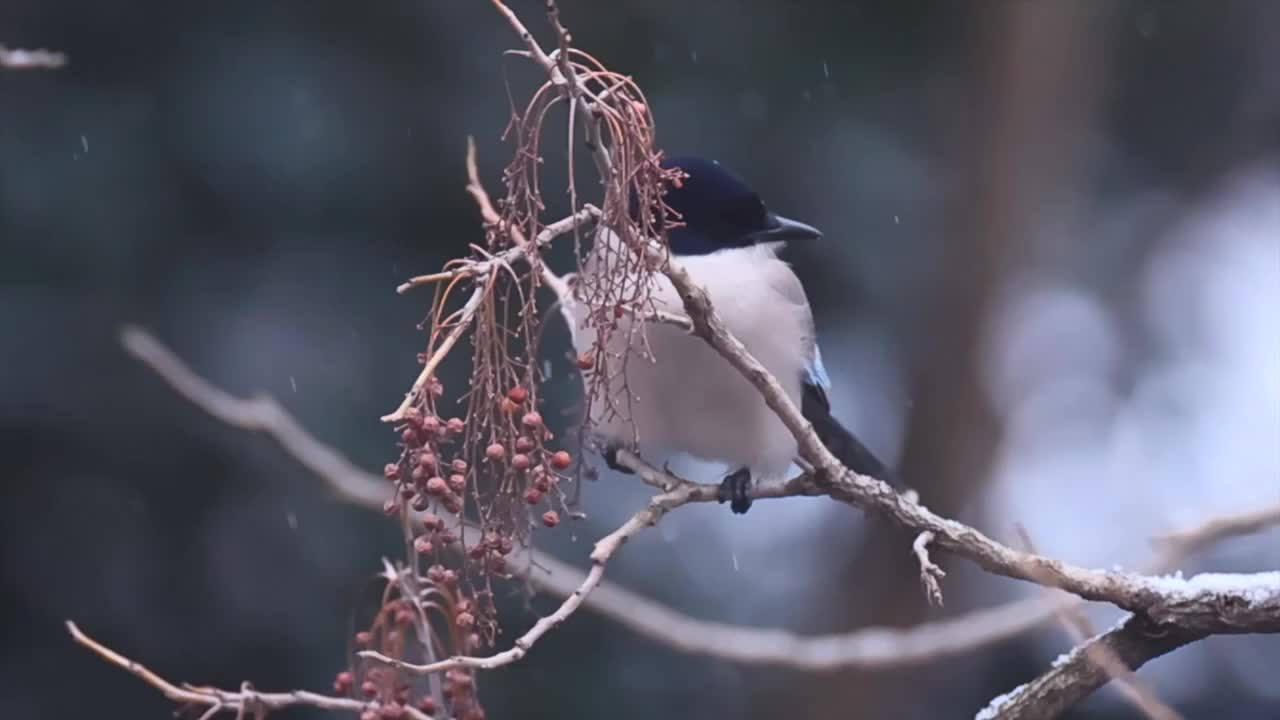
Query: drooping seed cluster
{"type": "Point", "coordinates": [400, 629]}
{"type": "Point", "coordinates": [478, 483]}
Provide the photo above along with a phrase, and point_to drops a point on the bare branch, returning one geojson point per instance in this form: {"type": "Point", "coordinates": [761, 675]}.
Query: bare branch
{"type": "Point", "coordinates": [1076, 675]}
{"type": "Point", "coordinates": [478, 268]}
{"type": "Point", "coordinates": [1191, 540]}
{"type": "Point", "coordinates": [1079, 629]}
{"type": "Point", "coordinates": [658, 507]}
{"type": "Point", "coordinates": [872, 647]}
{"type": "Point", "coordinates": [217, 700]}
{"type": "Point", "coordinates": [460, 326]}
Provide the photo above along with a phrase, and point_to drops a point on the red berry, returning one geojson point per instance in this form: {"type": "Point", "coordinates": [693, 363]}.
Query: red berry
{"type": "Point", "coordinates": [508, 406]}
{"type": "Point", "coordinates": [409, 437]}
{"type": "Point", "coordinates": [457, 482]}
{"type": "Point", "coordinates": [561, 460]}
{"type": "Point", "coordinates": [391, 471]}
{"type": "Point", "coordinates": [420, 503]}
{"type": "Point", "coordinates": [586, 361]}
{"type": "Point", "coordinates": [427, 705]}
{"type": "Point", "coordinates": [518, 395]}
{"type": "Point", "coordinates": [449, 577]}
{"type": "Point", "coordinates": [420, 474]}
{"type": "Point", "coordinates": [525, 444]}
{"type": "Point", "coordinates": [431, 521]}
{"type": "Point", "coordinates": [436, 486]}
{"type": "Point", "coordinates": [363, 638]}
{"type": "Point", "coordinates": [423, 546]}
{"type": "Point", "coordinates": [465, 620]}
{"type": "Point", "coordinates": [413, 416]}
{"type": "Point", "coordinates": [427, 460]}
{"type": "Point", "coordinates": [390, 508]}
{"type": "Point", "coordinates": [520, 461]}
{"type": "Point", "coordinates": [532, 420]}
{"type": "Point", "coordinates": [532, 496]}
{"type": "Point", "coordinates": [460, 465]}
{"type": "Point", "coordinates": [404, 617]}
{"type": "Point", "coordinates": [431, 425]}
{"type": "Point", "coordinates": [342, 682]}
{"type": "Point", "coordinates": [495, 452]}
{"type": "Point", "coordinates": [551, 518]}
{"type": "Point", "coordinates": [453, 504]}
{"type": "Point", "coordinates": [368, 688]}
{"type": "Point", "coordinates": [456, 425]}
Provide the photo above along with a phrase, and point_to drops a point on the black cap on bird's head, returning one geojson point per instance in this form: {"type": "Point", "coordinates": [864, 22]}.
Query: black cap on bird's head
{"type": "Point", "coordinates": [718, 211]}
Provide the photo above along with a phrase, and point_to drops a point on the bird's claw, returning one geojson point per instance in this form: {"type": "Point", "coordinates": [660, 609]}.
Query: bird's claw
{"type": "Point", "coordinates": [735, 490]}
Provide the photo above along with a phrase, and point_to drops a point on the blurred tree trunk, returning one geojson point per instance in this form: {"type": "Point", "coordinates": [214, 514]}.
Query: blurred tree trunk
{"type": "Point", "coordinates": [1031, 68]}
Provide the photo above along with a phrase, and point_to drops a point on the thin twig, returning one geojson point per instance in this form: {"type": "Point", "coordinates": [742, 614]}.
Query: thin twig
{"type": "Point", "coordinates": [1191, 540]}
{"type": "Point", "coordinates": [930, 574]}
{"type": "Point", "coordinates": [604, 549]}
{"type": "Point", "coordinates": [477, 268]}
{"type": "Point", "coordinates": [455, 333]}
{"type": "Point", "coordinates": [226, 700]}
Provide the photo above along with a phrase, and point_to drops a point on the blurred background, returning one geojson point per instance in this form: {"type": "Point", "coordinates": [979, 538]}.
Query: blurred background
{"type": "Point", "coordinates": [1048, 291]}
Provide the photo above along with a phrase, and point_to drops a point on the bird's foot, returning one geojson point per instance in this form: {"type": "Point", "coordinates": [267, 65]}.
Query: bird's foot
{"type": "Point", "coordinates": [735, 489]}
{"type": "Point", "coordinates": [611, 459]}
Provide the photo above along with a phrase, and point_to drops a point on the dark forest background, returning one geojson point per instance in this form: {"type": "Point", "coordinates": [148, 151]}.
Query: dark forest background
{"type": "Point", "coordinates": [1013, 194]}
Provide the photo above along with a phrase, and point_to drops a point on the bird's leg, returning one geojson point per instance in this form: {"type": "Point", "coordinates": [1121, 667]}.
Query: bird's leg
{"type": "Point", "coordinates": [610, 453]}
{"type": "Point", "coordinates": [734, 489]}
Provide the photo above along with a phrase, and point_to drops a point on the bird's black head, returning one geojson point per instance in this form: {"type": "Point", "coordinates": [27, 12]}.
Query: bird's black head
{"type": "Point", "coordinates": [719, 211]}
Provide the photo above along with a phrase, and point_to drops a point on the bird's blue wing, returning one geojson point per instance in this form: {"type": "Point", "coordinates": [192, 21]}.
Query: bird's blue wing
{"type": "Point", "coordinates": [815, 376]}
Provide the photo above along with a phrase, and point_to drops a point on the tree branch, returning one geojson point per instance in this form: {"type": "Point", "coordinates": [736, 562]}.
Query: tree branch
{"type": "Point", "coordinates": [245, 701]}
{"type": "Point", "coordinates": [1079, 629]}
{"type": "Point", "coordinates": [1076, 675]}
{"type": "Point", "coordinates": [867, 648]}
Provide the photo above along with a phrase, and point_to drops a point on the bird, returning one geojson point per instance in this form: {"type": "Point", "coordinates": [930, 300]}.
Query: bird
{"type": "Point", "coordinates": [676, 394]}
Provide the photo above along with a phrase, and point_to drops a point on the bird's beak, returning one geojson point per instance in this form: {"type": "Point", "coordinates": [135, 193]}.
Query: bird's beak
{"type": "Point", "coordinates": [780, 229]}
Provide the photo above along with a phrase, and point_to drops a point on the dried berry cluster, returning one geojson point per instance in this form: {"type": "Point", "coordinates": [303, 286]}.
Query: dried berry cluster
{"type": "Point", "coordinates": [478, 484]}
{"type": "Point", "coordinates": [436, 480]}
{"type": "Point", "coordinates": [401, 629]}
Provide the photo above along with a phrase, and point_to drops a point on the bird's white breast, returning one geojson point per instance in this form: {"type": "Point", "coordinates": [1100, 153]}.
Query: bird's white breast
{"type": "Point", "coordinates": [687, 398]}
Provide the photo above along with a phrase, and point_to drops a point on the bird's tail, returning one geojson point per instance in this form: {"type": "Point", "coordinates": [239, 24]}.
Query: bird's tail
{"type": "Point", "coordinates": [843, 444]}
